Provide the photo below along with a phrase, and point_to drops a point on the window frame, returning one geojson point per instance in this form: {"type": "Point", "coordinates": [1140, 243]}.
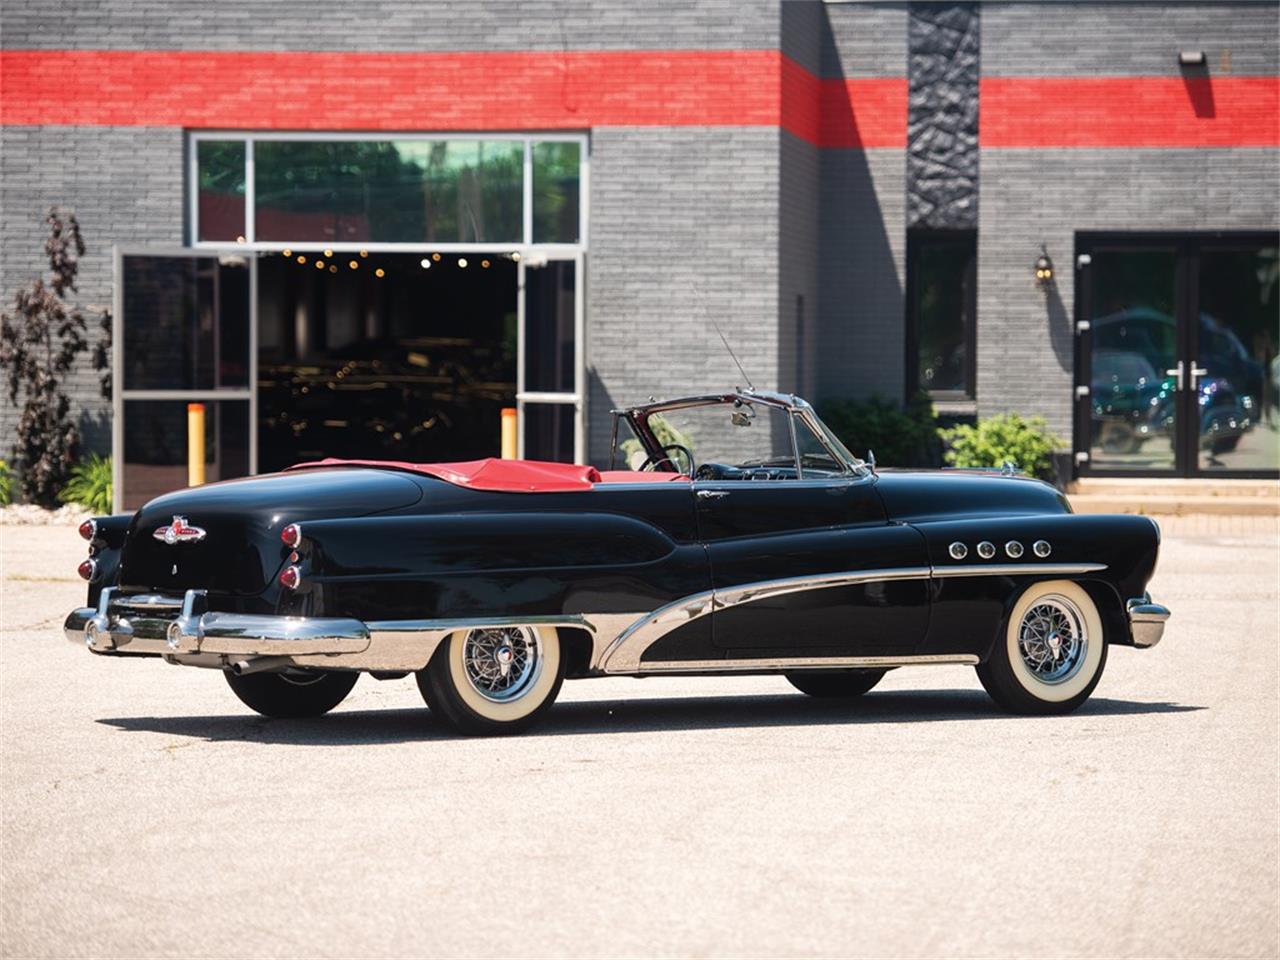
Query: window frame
{"type": "Point", "coordinates": [969, 393]}
{"type": "Point", "coordinates": [250, 138]}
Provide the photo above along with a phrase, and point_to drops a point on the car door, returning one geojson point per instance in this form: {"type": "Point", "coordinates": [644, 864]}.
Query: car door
{"type": "Point", "coordinates": [811, 567]}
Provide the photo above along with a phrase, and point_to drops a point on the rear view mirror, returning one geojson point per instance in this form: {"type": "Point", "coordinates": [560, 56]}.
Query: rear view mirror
{"type": "Point", "coordinates": [741, 418]}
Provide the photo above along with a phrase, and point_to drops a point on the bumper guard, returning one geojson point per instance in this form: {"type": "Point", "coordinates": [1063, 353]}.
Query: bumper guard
{"type": "Point", "coordinates": [1146, 620]}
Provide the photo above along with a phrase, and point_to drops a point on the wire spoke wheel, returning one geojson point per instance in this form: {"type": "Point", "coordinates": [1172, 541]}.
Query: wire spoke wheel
{"type": "Point", "coordinates": [1053, 639]}
{"type": "Point", "coordinates": [502, 664]}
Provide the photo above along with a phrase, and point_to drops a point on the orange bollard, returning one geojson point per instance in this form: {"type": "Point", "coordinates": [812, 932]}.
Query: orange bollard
{"type": "Point", "coordinates": [195, 444]}
{"type": "Point", "coordinates": [509, 445]}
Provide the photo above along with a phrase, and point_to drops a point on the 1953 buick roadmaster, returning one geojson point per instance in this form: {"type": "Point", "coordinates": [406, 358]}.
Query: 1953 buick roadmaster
{"type": "Point", "coordinates": [743, 538]}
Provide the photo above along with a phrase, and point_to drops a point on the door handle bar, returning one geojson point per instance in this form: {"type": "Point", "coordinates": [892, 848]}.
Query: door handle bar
{"type": "Point", "coordinates": [1178, 372]}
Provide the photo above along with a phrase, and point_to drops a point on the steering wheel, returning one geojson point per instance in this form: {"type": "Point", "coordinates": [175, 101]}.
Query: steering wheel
{"type": "Point", "coordinates": [651, 464]}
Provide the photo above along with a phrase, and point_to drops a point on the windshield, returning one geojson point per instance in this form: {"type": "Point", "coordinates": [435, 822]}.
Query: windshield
{"type": "Point", "coordinates": [736, 439]}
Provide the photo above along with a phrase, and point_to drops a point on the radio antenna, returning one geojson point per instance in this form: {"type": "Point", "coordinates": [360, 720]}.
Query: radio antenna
{"type": "Point", "coordinates": [750, 385]}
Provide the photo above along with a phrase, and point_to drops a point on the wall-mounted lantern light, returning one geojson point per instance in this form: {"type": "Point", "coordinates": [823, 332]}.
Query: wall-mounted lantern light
{"type": "Point", "coordinates": [1044, 269]}
{"type": "Point", "coordinates": [1191, 58]}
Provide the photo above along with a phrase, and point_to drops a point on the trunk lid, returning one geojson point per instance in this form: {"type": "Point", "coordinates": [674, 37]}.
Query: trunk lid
{"type": "Point", "coordinates": [240, 551]}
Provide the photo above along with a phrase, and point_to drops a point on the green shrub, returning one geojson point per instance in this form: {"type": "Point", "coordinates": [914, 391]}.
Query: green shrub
{"type": "Point", "coordinates": [1026, 443]}
{"type": "Point", "coordinates": [900, 437]}
{"type": "Point", "coordinates": [6, 484]}
{"type": "Point", "coordinates": [90, 485]}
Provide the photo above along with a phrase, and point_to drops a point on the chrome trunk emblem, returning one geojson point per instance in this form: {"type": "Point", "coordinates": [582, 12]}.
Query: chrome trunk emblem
{"type": "Point", "coordinates": [179, 532]}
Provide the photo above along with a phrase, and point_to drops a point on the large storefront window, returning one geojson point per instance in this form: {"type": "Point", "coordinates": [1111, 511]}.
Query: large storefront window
{"type": "Point", "coordinates": [556, 184]}
{"type": "Point", "coordinates": [942, 275]}
{"type": "Point", "coordinates": [221, 189]}
{"type": "Point", "coordinates": [274, 191]}
{"type": "Point", "coordinates": [411, 191]}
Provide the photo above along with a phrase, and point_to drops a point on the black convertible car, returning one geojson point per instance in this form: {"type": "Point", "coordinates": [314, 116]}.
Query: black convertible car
{"type": "Point", "coordinates": [742, 538]}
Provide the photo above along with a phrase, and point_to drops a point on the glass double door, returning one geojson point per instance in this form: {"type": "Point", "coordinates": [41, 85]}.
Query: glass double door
{"type": "Point", "coordinates": [1176, 367]}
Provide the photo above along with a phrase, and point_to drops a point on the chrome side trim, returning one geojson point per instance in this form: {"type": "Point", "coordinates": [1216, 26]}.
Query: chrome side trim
{"type": "Point", "coordinates": [623, 654]}
{"type": "Point", "coordinates": [1146, 620]}
{"type": "Point", "coordinates": [733, 596]}
{"type": "Point", "coordinates": [1017, 569]}
{"type": "Point", "coordinates": [802, 663]}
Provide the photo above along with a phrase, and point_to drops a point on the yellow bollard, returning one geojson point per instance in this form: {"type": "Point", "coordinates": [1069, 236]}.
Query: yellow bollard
{"type": "Point", "coordinates": [508, 433]}
{"type": "Point", "coordinates": [195, 444]}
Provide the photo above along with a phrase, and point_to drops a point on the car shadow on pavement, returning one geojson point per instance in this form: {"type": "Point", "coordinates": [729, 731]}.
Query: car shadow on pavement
{"type": "Point", "coordinates": [626, 715]}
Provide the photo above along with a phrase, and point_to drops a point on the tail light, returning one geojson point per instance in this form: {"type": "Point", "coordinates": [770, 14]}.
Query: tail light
{"type": "Point", "coordinates": [291, 536]}
{"type": "Point", "coordinates": [88, 570]}
{"type": "Point", "coordinates": [89, 529]}
{"type": "Point", "coordinates": [290, 577]}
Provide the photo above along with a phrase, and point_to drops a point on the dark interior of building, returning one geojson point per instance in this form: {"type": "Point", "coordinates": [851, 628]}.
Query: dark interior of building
{"type": "Point", "coordinates": [389, 356]}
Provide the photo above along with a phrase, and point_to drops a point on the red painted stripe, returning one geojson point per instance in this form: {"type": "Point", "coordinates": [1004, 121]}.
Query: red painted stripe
{"type": "Point", "coordinates": [581, 90]}
{"type": "Point", "coordinates": [452, 91]}
{"type": "Point", "coordinates": [844, 113]}
{"type": "Point", "coordinates": [390, 91]}
{"type": "Point", "coordinates": [1130, 112]}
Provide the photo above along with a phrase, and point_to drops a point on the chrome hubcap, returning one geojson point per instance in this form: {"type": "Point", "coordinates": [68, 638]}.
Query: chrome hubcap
{"type": "Point", "coordinates": [501, 664]}
{"type": "Point", "coordinates": [1052, 639]}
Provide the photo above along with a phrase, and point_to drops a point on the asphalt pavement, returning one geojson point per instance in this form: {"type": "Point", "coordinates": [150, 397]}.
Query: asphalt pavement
{"type": "Point", "coordinates": [147, 813]}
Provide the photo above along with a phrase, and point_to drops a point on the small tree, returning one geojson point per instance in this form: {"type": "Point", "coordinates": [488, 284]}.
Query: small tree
{"type": "Point", "coordinates": [39, 343]}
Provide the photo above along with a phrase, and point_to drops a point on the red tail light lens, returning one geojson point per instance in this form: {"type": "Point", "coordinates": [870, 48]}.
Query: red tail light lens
{"type": "Point", "coordinates": [291, 535]}
{"type": "Point", "coordinates": [88, 570]}
{"type": "Point", "coordinates": [89, 529]}
{"type": "Point", "coordinates": [290, 577]}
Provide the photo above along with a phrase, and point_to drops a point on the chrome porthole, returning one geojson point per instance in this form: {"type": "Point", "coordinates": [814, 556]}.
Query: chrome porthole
{"type": "Point", "coordinates": [1013, 548]}
{"type": "Point", "coordinates": [502, 664]}
{"type": "Point", "coordinates": [1052, 639]}
{"type": "Point", "coordinates": [958, 551]}
{"type": "Point", "coordinates": [1042, 548]}
{"type": "Point", "coordinates": [986, 549]}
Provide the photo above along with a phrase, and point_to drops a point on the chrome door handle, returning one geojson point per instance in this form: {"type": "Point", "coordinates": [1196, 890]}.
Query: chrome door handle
{"type": "Point", "coordinates": [1196, 374]}
{"type": "Point", "coordinates": [712, 494]}
{"type": "Point", "coordinates": [1176, 372]}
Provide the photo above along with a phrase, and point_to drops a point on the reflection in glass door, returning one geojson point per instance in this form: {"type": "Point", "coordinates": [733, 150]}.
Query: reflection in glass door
{"type": "Point", "coordinates": [1133, 423]}
{"type": "Point", "coordinates": [1233, 368]}
{"type": "Point", "coordinates": [1177, 371]}
{"type": "Point", "coordinates": [184, 333]}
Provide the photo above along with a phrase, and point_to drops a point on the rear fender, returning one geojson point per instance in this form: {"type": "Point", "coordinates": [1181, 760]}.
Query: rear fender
{"type": "Point", "coordinates": [489, 564]}
{"type": "Point", "coordinates": [105, 547]}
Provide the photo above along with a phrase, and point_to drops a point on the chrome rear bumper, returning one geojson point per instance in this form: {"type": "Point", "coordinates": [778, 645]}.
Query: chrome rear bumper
{"type": "Point", "coordinates": [173, 628]}
{"type": "Point", "coordinates": [1146, 620]}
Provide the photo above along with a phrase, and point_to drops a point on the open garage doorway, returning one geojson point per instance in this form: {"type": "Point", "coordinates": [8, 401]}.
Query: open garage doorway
{"type": "Point", "coordinates": [384, 356]}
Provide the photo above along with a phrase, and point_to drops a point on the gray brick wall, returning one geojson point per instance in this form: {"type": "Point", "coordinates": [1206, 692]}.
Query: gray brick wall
{"type": "Point", "coordinates": [1128, 39]}
{"type": "Point", "coordinates": [865, 40]}
{"type": "Point", "coordinates": [125, 185]}
{"type": "Point", "coordinates": [858, 328]}
{"type": "Point", "coordinates": [799, 251]}
{"type": "Point", "coordinates": [1025, 338]}
{"type": "Point", "coordinates": [684, 227]}
{"type": "Point", "coordinates": [441, 25]}
{"type": "Point", "coordinates": [863, 249]}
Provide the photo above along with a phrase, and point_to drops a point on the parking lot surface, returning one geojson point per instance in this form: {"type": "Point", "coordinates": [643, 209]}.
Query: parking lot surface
{"type": "Point", "coordinates": [147, 813]}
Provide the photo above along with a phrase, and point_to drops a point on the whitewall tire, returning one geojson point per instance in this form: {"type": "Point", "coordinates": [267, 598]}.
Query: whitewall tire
{"type": "Point", "coordinates": [494, 680]}
{"type": "Point", "coordinates": [1051, 653]}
